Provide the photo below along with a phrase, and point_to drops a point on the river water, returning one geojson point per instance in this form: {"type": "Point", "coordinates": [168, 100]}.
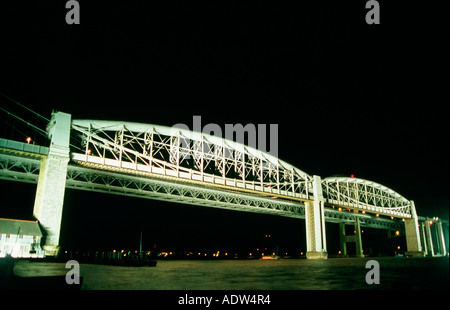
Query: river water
{"type": "Point", "coordinates": [282, 274]}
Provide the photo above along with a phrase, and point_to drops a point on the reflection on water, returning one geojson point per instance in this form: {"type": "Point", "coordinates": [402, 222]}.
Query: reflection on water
{"type": "Point", "coordinates": [395, 273]}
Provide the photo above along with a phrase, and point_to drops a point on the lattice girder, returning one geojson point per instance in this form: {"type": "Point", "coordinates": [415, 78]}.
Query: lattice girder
{"type": "Point", "coordinates": [190, 155]}
{"type": "Point", "coordinates": [365, 195]}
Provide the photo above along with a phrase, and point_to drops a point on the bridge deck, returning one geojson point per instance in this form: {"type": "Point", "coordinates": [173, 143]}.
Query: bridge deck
{"type": "Point", "coordinates": [18, 162]}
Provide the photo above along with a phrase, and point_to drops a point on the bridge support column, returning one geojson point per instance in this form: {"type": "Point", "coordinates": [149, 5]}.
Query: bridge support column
{"type": "Point", "coordinates": [413, 244]}
{"type": "Point", "coordinates": [315, 223]}
{"type": "Point", "coordinates": [343, 240]}
{"type": "Point", "coordinates": [351, 238]}
{"type": "Point", "coordinates": [424, 239]}
{"type": "Point", "coordinates": [441, 238]}
{"type": "Point", "coordinates": [358, 239]}
{"type": "Point", "coordinates": [49, 199]}
{"type": "Point", "coordinates": [429, 237]}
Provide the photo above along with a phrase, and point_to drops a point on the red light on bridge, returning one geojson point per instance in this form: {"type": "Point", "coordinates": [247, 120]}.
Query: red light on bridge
{"type": "Point", "coordinates": [431, 222]}
{"type": "Point", "coordinates": [28, 139]}
{"type": "Point", "coordinates": [352, 175]}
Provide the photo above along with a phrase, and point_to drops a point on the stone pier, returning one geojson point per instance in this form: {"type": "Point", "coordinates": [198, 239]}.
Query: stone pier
{"type": "Point", "coordinates": [315, 223]}
{"type": "Point", "coordinates": [413, 244]}
{"type": "Point", "coordinates": [49, 199]}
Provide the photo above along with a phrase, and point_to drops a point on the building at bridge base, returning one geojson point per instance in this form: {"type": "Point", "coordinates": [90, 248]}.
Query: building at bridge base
{"type": "Point", "coordinates": [316, 246]}
{"type": "Point", "coordinates": [413, 244]}
{"type": "Point", "coordinates": [48, 205]}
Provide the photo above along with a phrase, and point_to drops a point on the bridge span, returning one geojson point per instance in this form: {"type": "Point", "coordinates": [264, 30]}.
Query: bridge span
{"type": "Point", "coordinates": [178, 165]}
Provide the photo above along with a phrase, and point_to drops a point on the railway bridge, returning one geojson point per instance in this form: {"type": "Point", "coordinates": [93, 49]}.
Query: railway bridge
{"type": "Point", "coordinates": [179, 165]}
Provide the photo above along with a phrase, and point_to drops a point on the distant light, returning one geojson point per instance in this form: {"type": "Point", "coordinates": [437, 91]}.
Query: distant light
{"type": "Point", "coordinates": [339, 209]}
{"type": "Point", "coordinates": [377, 215]}
{"type": "Point", "coordinates": [398, 248]}
{"type": "Point", "coordinates": [339, 252]}
{"type": "Point", "coordinates": [28, 139]}
{"type": "Point", "coordinates": [431, 222]}
{"type": "Point", "coordinates": [397, 233]}
{"type": "Point", "coordinates": [352, 175]}
{"type": "Point", "coordinates": [89, 151]}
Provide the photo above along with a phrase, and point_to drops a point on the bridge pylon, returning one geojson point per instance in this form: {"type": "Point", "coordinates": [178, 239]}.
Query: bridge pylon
{"type": "Point", "coordinates": [413, 244]}
{"type": "Point", "coordinates": [50, 190]}
{"type": "Point", "coordinates": [316, 244]}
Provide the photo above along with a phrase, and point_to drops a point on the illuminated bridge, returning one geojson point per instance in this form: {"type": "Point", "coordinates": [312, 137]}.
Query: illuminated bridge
{"type": "Point", "coordinates": [179, 165]}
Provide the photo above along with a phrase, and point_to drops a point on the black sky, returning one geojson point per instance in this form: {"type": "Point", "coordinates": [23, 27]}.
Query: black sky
{"type": "Point", "coordinates": [349, 98]}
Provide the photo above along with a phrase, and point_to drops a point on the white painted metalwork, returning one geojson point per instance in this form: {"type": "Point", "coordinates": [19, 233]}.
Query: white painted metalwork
{"type": "Point", "coordinates": [188, 155]}
{"type": "Point", "coordinates": [179, 165]}
{"type": "Point", "coordinates": [17, 165]}
{"type": "Point", "coordinates": [365, 195]}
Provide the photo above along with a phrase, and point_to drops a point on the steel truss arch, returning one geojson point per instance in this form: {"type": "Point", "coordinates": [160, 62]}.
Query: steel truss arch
{"type": "Point", "coordinates": [365, 195]}
{"type": "Point", "coordinates": [188, 155]}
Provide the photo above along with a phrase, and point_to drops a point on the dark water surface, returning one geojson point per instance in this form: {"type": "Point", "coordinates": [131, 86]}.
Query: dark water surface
{"type": "Point", "coordinates": [282, 274]}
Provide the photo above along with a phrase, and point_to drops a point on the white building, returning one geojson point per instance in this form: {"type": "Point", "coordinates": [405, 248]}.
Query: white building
{"type": "Point", "coordinates": [20, 238]}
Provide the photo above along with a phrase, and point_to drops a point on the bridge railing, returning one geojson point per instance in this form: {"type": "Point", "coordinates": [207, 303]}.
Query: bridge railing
{"type": "Point", "coordinates": [25, 147]}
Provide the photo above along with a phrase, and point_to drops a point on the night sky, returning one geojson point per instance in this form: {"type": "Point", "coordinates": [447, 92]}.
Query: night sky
{"type": "Point", "coordinates": [349, 98]}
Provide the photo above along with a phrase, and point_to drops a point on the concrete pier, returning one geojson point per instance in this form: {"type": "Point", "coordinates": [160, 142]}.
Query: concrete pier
{"type": "Point", "coordinates": [441, 239]}
{"type": "Point", "coordinates": [358, 239]}
{"type": "Point", "coordinates": [344, 239]}
{"type": "Point", "coordinates": [413, 243]}
{"type": "Point", "coordinates": [50, 190]}
{"type": "Point", "coordinates": [315, 223]}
